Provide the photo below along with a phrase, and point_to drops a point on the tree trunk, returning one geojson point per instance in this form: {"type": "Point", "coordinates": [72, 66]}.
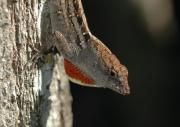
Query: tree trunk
{"type": "Point", "coordinates": [32, 93]}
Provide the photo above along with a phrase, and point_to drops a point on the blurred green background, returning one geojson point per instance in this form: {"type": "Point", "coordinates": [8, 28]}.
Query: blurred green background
{"type": "Point", "coordinates": [144, 34]}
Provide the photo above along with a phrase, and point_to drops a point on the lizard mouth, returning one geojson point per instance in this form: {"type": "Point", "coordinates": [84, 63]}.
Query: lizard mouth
{"type": "Point", "coordinates": [121, 89]}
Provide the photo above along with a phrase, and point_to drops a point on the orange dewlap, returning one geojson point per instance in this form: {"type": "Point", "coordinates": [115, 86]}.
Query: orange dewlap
{"type": "Point", "coordinates": [75, 73]}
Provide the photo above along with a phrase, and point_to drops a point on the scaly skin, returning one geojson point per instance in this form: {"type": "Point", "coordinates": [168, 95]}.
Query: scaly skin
{"type": "Point", "coordinates": [87, 60]}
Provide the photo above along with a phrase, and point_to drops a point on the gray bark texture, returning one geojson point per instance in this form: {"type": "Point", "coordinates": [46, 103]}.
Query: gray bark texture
{"type": "Point", "coordinates": [32, 93]}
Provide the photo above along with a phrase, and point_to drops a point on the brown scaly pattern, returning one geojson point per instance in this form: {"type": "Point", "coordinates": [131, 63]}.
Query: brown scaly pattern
{"type": "Point", "coordinates": [110, 60]}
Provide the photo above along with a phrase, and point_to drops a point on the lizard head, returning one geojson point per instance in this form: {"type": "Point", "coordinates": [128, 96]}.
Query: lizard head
{"type": "Point", "coordinates": [116, 72]}
{"type": "Point", "coordinates": [98, 77]}
{"type": "Point", "coordinates": [97, 67]}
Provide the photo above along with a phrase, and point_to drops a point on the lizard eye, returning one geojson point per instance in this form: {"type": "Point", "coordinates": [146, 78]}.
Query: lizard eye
{"type": "Point", "coordinates": [112, 73]}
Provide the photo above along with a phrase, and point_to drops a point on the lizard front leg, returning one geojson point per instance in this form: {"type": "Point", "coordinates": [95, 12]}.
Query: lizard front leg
{"type": "Point", "coordinates": [64, 47]}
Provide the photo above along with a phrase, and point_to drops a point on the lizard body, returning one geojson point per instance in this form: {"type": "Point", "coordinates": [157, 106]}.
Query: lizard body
{"type": "Point", "coordinates": [87, 60]}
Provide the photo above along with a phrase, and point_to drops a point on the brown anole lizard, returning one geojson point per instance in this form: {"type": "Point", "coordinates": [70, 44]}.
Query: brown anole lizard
{"type": "Point", "coordinates": [87, 60]}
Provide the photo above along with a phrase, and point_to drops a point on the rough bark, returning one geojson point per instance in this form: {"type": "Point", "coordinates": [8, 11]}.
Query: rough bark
{"type": "Point", "coordinates": [31, 95]}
